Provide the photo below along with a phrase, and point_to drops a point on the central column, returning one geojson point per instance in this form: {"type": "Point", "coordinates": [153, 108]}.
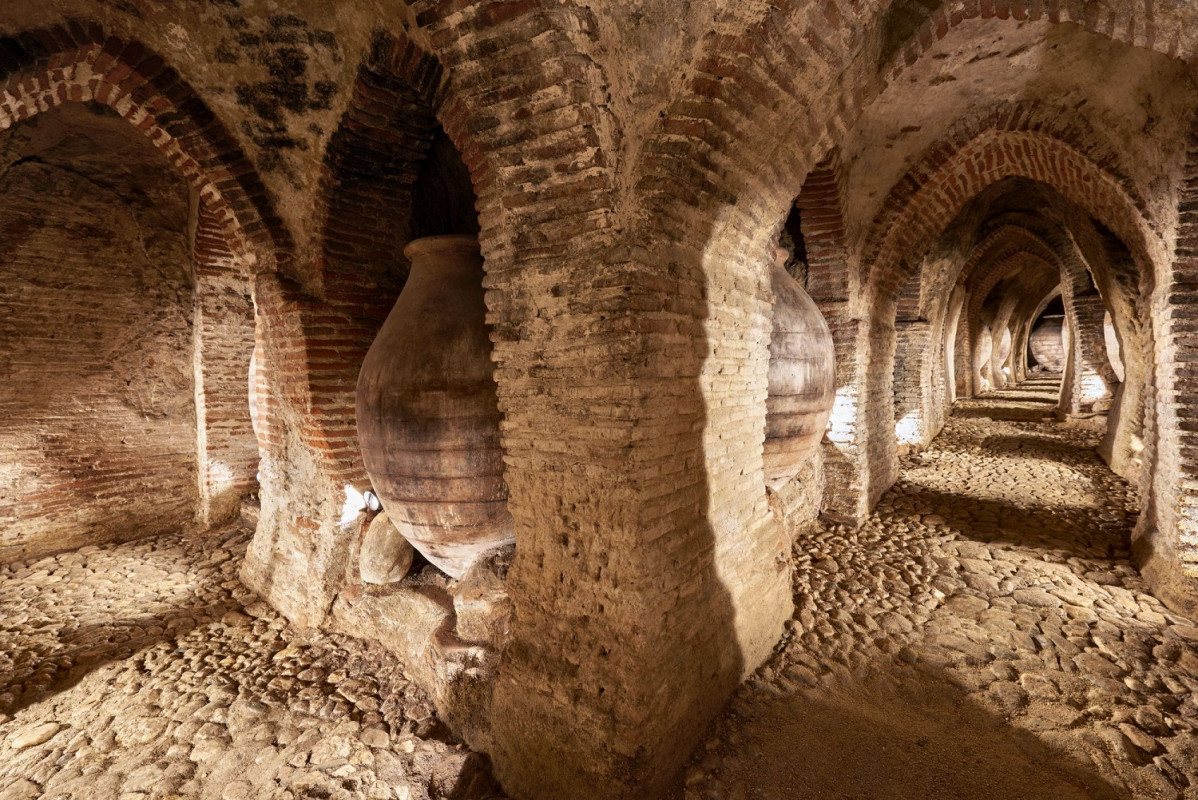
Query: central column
{"type": "Point", "coordinates": [649, 576]}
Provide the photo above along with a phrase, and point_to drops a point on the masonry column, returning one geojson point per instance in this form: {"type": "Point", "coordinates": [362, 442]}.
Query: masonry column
{"type": "Point", "coordinates": [845, 479]}
{"type": "Point", "coordinates": [1096, 376]}
{"type": "Point", "coordinates": [224, 341]}
{"type": "Point", "coordinates": [1165, 543]}
{"type": "Point", "coordinates": [649, 576]}
{"type": "Point", "coordinates": [914, 391]}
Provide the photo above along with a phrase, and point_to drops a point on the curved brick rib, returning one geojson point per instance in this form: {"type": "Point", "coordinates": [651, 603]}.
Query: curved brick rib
{"type": "Point", "coordinates": [79, 62]}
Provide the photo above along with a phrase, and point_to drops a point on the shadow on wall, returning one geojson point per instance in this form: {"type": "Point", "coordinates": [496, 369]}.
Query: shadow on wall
{"type": "Point", "coordinates": [97, 412]}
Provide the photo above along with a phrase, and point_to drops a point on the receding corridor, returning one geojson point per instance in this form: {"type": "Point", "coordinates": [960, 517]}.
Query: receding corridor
{"type": "Point", "coordinates": [983, 635]}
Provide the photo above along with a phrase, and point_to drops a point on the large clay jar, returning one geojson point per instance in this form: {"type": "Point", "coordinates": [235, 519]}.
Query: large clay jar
{"type": "Point", "coordinates": [802, 380]}
{"type": "Point", "coordinates": [1047, 343]}
{"type": "Point", "coordinates": [428, 414]}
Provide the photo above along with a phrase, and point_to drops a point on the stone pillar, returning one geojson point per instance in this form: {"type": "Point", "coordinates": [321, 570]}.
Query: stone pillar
{"type": "Point", "coordinates": [649, 576]}
{"type": "Point", "coordinates": [845, 493]}
{"type": "Point", "coordinates": [1165, 543]}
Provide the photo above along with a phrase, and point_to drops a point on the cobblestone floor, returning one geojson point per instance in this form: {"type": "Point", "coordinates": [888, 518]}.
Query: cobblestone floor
{"type": "Point", "coordinates": [133, 671]}
{"type": "Point", "coordinates": [984, 635]}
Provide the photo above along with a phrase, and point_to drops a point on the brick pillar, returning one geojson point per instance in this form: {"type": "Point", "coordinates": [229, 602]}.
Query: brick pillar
{"type": "Point", "coordinates": [1166, 540]}
{"type": "Point", "coordinates": [1019, 335]}
{"type": "Point", "coordinates": [828, 275]}
{"type": "Point", "coordinates": [1095, 376]}
{"type": "Point", "coordinates": [914, 404]}
{"type": "Point", "coordinates": [963, 355]}
{"type": "Point", "coordinates": [845, 485]}
{"type": "Point", "coordinates": [650, 577]}
{"type": "Point", "coordinates": [224, 341]}
{"type": "Point", "coordinates": [307, 357]}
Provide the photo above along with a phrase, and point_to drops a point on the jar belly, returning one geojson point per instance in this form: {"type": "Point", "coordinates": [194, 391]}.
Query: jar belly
{"type": "Point", "coordinates": [802, 381]}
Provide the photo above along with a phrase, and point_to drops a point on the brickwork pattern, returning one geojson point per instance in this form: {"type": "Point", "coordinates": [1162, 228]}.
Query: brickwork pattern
{"type": "Point", "coordinates": [223, 324]}
{"type": "Point", "coordinates": [628, 297]}
{"type": "Point", "coordinates": [97, 419]}
{"type": "Point", "coordinates": [79, 62]}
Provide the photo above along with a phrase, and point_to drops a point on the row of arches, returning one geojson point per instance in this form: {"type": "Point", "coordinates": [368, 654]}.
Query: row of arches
{"type": "Point", "coordinates": [629, 303]}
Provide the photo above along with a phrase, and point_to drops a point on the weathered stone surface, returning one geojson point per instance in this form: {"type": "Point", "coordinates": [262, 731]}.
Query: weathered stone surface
{"type": "Point", "coordinates": [881, 638]}
{"type": "Point", "coordinates": [164, 688]}
{"type": "Point", "coordinates": [943, 171]}
{"type": "Point", "coordinates": [385, 555]}
{"type": "Point", "coordinates": [480, 599]}
{"type": "Point", "coordinates": [36, 734]}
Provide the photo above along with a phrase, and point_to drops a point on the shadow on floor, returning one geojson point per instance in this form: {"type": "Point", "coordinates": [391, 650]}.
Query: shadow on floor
{"type": "Point", "coordinates": [1029, 402]}
{"type": "Point", "coordinates": [41, 671]}
{"type": "Point", "coordinates": [1005, 411]}
{"type": "Point", "coordinates": [1038, 447]}
{"type": "Point", "coordinates": [924, 738]}
{"type": "Point", "coordinates": [1036, 527]}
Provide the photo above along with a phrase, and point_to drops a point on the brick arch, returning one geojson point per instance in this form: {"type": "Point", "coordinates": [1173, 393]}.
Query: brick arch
{"type": "Point", "coordinates": [369, 167]}
{"type": "Point", "coordinates": [78, 61]}
{"type": "Point", "coordinates": [925, 210]}
{"type": "Point", "coordinates": [1090, 290]}
{"type": "Point", "coordinates": [1093, 379]}
{"type": "Point", "coordinates": [527, 112]}
{"type": "Point", "coordinates": [999, 268]}
{"type": "Point", "coordinates": [992, 274]}
{"type": "Point", "coordinates": [755, 73]}
{"type": "Point", "coordinates": [1002, 243]}
{"type": "Point", "coordinates": [931, 195]}
{"type": "Point", "coordinates": [1077, 272]}
{"type": "Point", "coordinates": [991, 254]}
{"type": "Point", "coordinates": [921, 375]}
{"type": "Point", "coordinates": [1080, 274]}
{"type": "Point", "coordinates": [401, 94]}
{"type": "Point", "coordinates": [1042, 304]}
{"type": "Point", "coordinates": [1023, 297]}
{"type": "Point", "coordinates": [235, 226]}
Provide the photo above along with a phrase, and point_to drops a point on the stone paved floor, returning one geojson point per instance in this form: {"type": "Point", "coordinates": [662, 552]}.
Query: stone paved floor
{"type": "Point", "coordinates": [984, 635]}
{"type": "Point", "coordinates": [133, 671]}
